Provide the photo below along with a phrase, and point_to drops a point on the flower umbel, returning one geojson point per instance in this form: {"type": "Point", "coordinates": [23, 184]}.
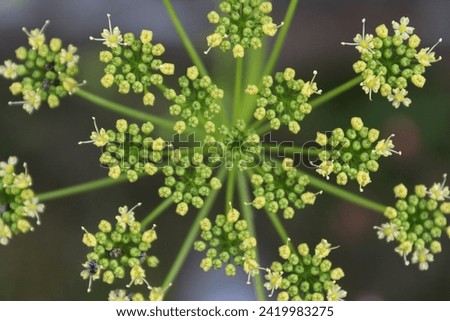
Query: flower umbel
{"type": "Point", "coordinates": [388, 63]}
{"type": "Point", "coordinates": [417, 222]}
{"type": "Point", "coordinates": [116, 248]}
{"type": "Point", "coordinates": [18, 202]}
{"type": "Point", "coordinates": [45, 73]}
{"type": "Point", "coordinates": [306, 276]}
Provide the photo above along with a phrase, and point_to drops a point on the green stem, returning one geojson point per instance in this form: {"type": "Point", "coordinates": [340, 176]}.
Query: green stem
{"type": "Point", "coordinates": [244, 195]}
{"type": "Point", "coordinates": [124, 110]}
{"type": "Point", "coordinates": [261, 128]}
{"type": "Point", "coordinates": [291, 149]}
{"type": "Point", "coordinates": [336, 92]}
{"type": "Point", "coordinates": [230, 188]}
{"type": "Point", "coordinates": [281, 37]}
{"type": "Point", "coordinates": [185, 38]}
{"type": "Point", "coordinates": [348, 196]}
{"type": "Point", "coordinates": [253, 68]}
{"type": "Point", "coordinates": [80, 188]}
{"type": "Point", "coordinates": [192, 234]}
{"type": "Point", "coordinates": [156, 212]}
{"type": "Point", "coordinates": [238, 89]}
{"type": "Point", "coordinates": [278, 227]}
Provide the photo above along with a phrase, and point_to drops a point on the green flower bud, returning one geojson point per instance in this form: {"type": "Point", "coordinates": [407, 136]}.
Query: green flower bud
{"type": "Point", "coordinates": [359, 66]}
{"type": "Point", "coordinates": [107, 80]}
{"type": "Point", "coordinates": [390, 213]}
{"type": "Point", "coordinates": [182, 208]}
{"type": "Point", "coordinates": [357, 123]}
{"type": "Point", "coordinates": [382, 31]}
{"type": "Point", "coordinates": [400, 191]}
{"type": "Point", "coordinates": [414, 41]}
{"type": "Point", "coordinates": [53, 101]}
{"type": "Point", "coordinates": [303, 249]}
{"type": "Point", "coordinates": [146, 36]}
{"type": "Point", "coordinates": [418, 80]}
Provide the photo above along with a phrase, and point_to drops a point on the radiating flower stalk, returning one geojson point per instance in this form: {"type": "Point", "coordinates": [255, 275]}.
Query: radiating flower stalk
{"type": "Point", "coordinates": [134, 65]}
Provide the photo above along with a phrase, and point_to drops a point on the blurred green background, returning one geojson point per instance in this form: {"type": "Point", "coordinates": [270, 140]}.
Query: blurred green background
{"type": "Point", "coordinates": [45, 264]}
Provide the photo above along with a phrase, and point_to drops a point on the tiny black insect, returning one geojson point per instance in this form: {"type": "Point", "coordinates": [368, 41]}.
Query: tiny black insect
{"type": "Point", "coordinates": [92, 267]}
{"type": "Point", "coordinates": [4, 208]}
{"type": "Point", "coordinates": [50, 67]}
{"type": "Point", "coordinates": [142, 257]}
{"type": "Point", "coordinates": [115, 253]}
{"type": "Point", "coordinates": [46, 84]}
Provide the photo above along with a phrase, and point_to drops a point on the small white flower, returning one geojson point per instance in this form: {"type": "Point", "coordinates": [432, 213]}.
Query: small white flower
{"type": "Point", "coordinates": [99, 137]}
{"type": "Point", "coordinates": [325, 168]}
{"type": "Point", "coordinates": [402, 28]}
{"type": "Point", "coordinates": [422, 256]}
{"type": "Point", "coordinates": [274, 281]}
{"type": "Point", "coordinates": [68, 56]}
{"type": "Point", "coordinates": [111, 38]}
{"type": "Point", "coordinates": [335, 293]}
{"type": "Point", "coordinates": [385, 147]}
{"type": "Point", "coordinates": [32, 101]}
{"type": "Point", "coordinates": [398, 97]}
{"type": "Point", "coordinates": [310, 87]}
{"type": "Point", "coordinates": [36, 37]}
{"type": "Point", "coordinates": [8, 167]}
{"type": "Point", "coordinates": [371, 84]}
{"type": "Point", "coordinates": [33, 208]}
{"type": "Point", "coordinates": [388, 230]}
{"type": "Point", "coordinates": [118, 295]}
{"type": "Point", "coordinates": [126, 216]}
{"type": "Point", "coordinates": [137, 275]}
{"type": "Point", "coordinates": [426, 56]}
{"type": "Point", "coordinates": [403, 250]}
{"type": "Point", "coordinates": [5, 233]}
{"type": "Point", "coordinates": [323, 249]}
{"type": "Point", "coordinates": [251, 268]}
{"type": "Point", "coordinates": [23, 180]}
{"type": "Point", "coordinates": [439, 191]}
{"type": "Point", "coordinates": [8, 70]}
{"type": "Point", "coordinates": [362, 42]}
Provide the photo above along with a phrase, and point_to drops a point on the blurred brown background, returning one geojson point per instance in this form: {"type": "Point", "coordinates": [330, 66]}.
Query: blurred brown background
{"type": "Point", "coordinates": [45, 265]}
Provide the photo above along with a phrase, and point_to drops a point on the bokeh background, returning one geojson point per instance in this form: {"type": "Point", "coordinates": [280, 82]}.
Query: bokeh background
{"type": "Point", "coordinates": [45, 264]}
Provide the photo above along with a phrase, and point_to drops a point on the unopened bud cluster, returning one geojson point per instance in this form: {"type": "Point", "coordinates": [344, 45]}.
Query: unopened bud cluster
{"type": "Point", "coordinates": [119, 250]}
{"type": "Point", "coordinates": [236, 146]}
{"type": "Point", "coordinates": [283, 100]}
{"type": "Point", "coordinates": [308, 276]}
{"type": "Point", "coordinates": [352, 154]}
{"type": "Point", "coordinates": [281, 188]}
{"type": "Point", "coordinates": [129, 149]}
{"type": "Point", "coordinates": [18, 202]}
{"type": "Point", "coordinates": [389, 63]}
{"type": "Point", "coordinates": [188, 181]}
{"type": "Point", "coordinates": [133, 63]}
{"type": "Point", "coordinates": [44, 72]}
{"type": "Point", "coordinates": [197, 103]}
{"type": "Point", "coordinates": [417, 222]}
{"type": "Point", "coordinates": [227, 243]}
{"type": "Point", "coordinates": [241, 25]}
